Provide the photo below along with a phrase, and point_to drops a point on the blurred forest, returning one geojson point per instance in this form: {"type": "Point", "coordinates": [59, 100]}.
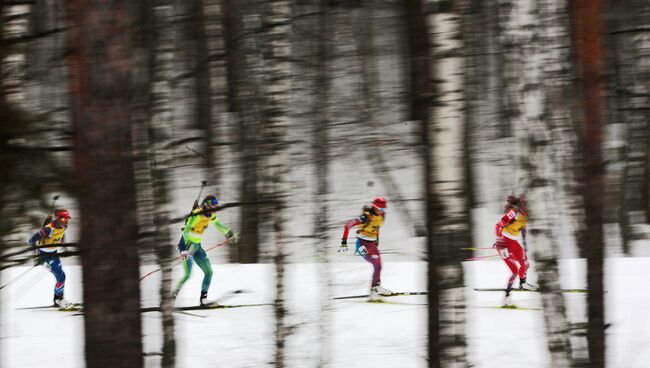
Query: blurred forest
{"type": "Point", "coordinates": [296, 112]}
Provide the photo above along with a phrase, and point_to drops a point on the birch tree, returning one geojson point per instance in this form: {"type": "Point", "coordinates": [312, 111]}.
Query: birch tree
{"type": "Point", "coordinates": [277, 53]}
{"type": "Point", "coordinates": [160, 162]}
{"type": "Point", "coordinates": [630, 37]}
{"type": "Point", "coordinates": [421, 93]}
{"type": "Point", "coordinates": [546, 116]}
{"type": "Point", "coordinates": [321, 158]}
{"type": "Point", "coordinates": [447, 122]}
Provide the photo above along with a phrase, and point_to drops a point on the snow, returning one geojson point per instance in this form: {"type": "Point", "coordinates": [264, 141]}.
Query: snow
{"type": "Point", "coordinates": [359, 334]}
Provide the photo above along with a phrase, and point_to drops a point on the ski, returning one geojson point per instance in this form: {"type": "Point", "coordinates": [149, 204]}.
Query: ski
{"type": "Point", "coordinates": [391, 302]}
{"type": "Point", "coordinates": [73, 307]}
{"type": "Point", "coordinates": [402, 293]}
{"type": "Point", "coordinates": [205, 307]}
{"type": "Point", "coordinates": [38, 307]}
{"type": "Point", "coordinates": [533, 291]}
{"type": "Point", "coordinates": [514, 307]}
{"type": "Point", "coordinates": [53, 306]}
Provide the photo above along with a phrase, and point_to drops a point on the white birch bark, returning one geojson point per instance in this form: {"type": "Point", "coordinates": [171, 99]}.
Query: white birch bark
{"type": "Point", "coordinates": [451, 231]}
{"type": "Point", "coordinates": [161, 163]}
{"type": "Point", "coordinates": [545, 79]}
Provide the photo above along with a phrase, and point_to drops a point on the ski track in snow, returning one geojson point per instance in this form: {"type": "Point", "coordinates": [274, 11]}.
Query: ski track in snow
{"type": "Point", "coordinates": [360, 334]}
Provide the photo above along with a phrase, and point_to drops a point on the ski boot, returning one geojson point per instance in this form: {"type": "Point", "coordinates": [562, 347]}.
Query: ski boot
{"type": "Point", "coordinates": [375, 297]}
{"type": "Point", "coordinates": [203, 299]}
{"type": "Point", "coordinates": [61, 303]}
{"type": "Point", "coordinates": [383, 291]}
{"type": "Point", "coordinates": [523, 285]}
{"type": "Point", "coordinates": [507, 302]}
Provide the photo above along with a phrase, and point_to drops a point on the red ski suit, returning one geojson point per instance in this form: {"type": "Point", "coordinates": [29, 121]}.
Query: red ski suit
{"type": "Point", "coordinates": [510, 232]}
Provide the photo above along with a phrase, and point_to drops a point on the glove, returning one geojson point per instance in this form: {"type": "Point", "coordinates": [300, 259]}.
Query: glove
{"type": "Point", "coordinates": [185, 255]}
{"type": "Point", "coordinates": [37, 260]}
{"type": "Point", "coordinates": [344, 246]}
{"type": "Point", "coordinates": [232, 237]}
{"type": "Point", "coordinates": [362, 250]}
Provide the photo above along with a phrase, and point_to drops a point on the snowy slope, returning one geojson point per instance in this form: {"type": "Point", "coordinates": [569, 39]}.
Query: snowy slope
{"type": "Point", "coordinates": [360, 334]}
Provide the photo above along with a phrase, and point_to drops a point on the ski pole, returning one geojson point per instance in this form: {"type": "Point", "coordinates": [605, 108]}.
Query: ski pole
{"type": "Point", "coordinates": [477, 248]}
{"type": "Point", "coordinates": [482, 257]}
{"type": "Point", "coordinates": [180, 261]}
{"type": "Point", "coordinates": [18, 277]}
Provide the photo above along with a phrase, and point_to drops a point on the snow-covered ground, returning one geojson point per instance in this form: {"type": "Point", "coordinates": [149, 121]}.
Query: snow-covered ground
{"type": "Point", "coordinates": [359, 334]}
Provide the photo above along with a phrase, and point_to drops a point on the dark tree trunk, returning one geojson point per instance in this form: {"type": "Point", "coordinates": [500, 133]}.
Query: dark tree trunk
{"type": "Point", "coordinates": [3, 93]}
{"type": "Point", "coordinates": [631, 100]}
{"type": "Point", "coordinates": [103, 57]}
{"type": "Point", "coordinates": [589, 52]}
{"type": "Point", "coordinates": [321, 157]}
{"type": "Point", "coordinates": [193, 55]}
{"type": "Point", "coordinates": [244, 102]}
{"type": "Point", "coordinates": [421, 94]}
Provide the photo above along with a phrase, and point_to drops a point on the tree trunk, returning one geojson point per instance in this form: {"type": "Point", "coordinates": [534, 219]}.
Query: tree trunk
{"type": "Point", "coordinates": [589, 52]}
{"type": "Point", "coordinates": [512, 40]}
{"type": "Point", "coordinates": [631, 36]}
{"type": "Point", "coordinates": [218, 130]}
{"type": "Point", "coordinates": [544, 61]}
{"type": "Point", "coordinates": [552, 142]}
{"type": "Point", "coordinates": [421, 97]}
{"type": "Point", "coordinates": [103, 60]}
{"type": "Point", "coordinates": [244, 97]}
{"type": "Point", "coordinates": [194, 60]}
{"type": "Point", "coordinates": [451, 230]}
{"type": "Point", "coordinates": [277, 52]}
{"type": "Point", "coordinates": [160, 161]}
{"type": "Point", "coordinates": [321, 157]}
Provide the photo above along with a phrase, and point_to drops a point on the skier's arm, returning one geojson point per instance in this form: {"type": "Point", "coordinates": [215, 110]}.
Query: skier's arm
{"type": "Point", "coordinates": [44, 233]}
{"type": "Point", "coordinates": [223, 229]}
{"type": "Point", "coordinates": [505, 220]}
{"type": "Point", "coordinates": [346, 229]}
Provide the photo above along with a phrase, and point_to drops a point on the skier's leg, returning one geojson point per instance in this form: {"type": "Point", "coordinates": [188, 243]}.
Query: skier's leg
{"type": "Point", "coordinates": [522, 259]}
{"type": "Point", "coordinates": [372, 256]}
{"type": "Point", "coordinates": [512, 264]}
{"type": "Point", "coordinates": [54, 263]}
{"type": "Point", "coordinates": [187, 268]}
{"type": "Point", "coordinates": [202, 260]}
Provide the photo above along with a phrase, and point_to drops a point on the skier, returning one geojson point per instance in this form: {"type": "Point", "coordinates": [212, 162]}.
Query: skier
{"type": "Point", "coordinates": [511, 236]}
{"type": "Point", "coordinates": [190, 248]}
{"type": "Point", "coordinates": [371, 219]}
{"type": "Point", "coordinates": [45, 243]}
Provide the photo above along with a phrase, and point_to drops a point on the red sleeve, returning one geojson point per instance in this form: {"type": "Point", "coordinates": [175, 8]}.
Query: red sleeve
{"type": "Point", "coordinates": [348, 225]}
{"type": "Point", "coordinates": [505, 220]}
